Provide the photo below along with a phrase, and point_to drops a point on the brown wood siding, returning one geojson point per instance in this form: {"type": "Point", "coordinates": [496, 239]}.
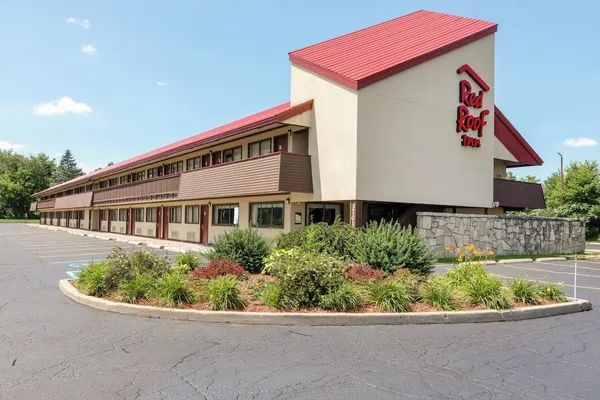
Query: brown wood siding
{"type": "Point", "coordinates": [516, 194]}
{"type": "Point", "coordinates": [74, 201]}
{"type": "Point", "coordinates": [44, 204]}
{"type": "Point", "coordinates": [139, 191]}
{"type": "Point", "coordinates": [295, 173]}
{"type": "Point", "coordinates": [249, 177]}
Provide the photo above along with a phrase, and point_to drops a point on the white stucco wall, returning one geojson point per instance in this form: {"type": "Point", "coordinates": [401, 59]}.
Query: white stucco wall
{"type": "Point", "coordinates": [408, 147]}
{"type": "Point", "coordinates": [332, 136]}
{"type": "Point", "coordinates": [501, 152]}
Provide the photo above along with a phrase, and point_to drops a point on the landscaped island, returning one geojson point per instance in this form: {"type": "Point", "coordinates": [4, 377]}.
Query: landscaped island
{"type": "Point", "coordinates": [380, 268]}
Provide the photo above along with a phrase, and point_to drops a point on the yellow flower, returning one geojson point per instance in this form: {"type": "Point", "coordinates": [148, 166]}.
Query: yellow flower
{"type": "Point", "coordinates": [491, 252]}
{"type": "Point", "coordinates": [447, 248]}
{"type": "Point", "coordinates": [459, 259]}
{"type": "Point", "coordinates": [471, 246]}
{"type": "Point", "coordinates": [476, 252]}
{"type": "Point", "coordinates": [462, 254]}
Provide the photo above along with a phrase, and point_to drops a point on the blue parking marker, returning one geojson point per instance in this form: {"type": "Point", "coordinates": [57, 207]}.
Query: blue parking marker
{"type": "Point", "coordinates": [73, 274]}
{"type": "Point", "coordinates": [71, 261]}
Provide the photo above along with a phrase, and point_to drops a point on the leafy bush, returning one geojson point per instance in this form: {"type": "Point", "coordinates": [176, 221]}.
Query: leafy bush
{"type": "Point", "coordinates": [180, 269]}
{"type": "Point", "coordinates": [411, 282]}
{"type": "Point", "coordinates": [488, 291]}
{"type": "Point", "coordinates": [219, 267]}
{"type": "Point", "coordinates": [188, 258]}
{"type": "Point", "coordinates": [345, 298]}
{"type": "Point", "coordinates": [279, 257]}
{"type": "Point", "coordinates": [364, 272]}
{"type": "Point", "coordinates": [440, 294]}
{"type": "Point", "coordinates": [552, 293]}
{"type": "Point", "coordinates": [272, 296]}
{"type": "Point", "coordinates": [173, 289]}
{"type": "Point", "coordinates": [244, 246]}
{"type": "Point", "coordinates": [224, 294]}
{"type": "Point", "coordinates": [389, 296]}
{"type": "Point", "coordinates": [336, 239]}
{"type": "Point", "coordinates": [121, 267]}
{"type": "Point", "coordinates": [460, 275]}
{"type": "Point", "coordinates": [304, 277]}
{"type": "Point", "coordinates": [135, 288]}
{"type": "Point", "coordinates": [389, 246]}
{"type": "Point", "coordinates": [91, 279]}
{"type": "Point", "coordinates": [525, 291]}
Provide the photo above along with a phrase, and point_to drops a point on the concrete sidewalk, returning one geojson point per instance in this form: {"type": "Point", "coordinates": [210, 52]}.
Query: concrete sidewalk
{"type": "Point", "coordinates": [170, 245]}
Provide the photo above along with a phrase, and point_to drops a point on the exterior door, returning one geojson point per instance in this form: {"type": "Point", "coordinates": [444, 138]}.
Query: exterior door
{"type": "Point", "coordinates": [165, 223]}
{"type": "Point", "coordinates": [132, 213]}
{"type": "Point", "coordinates": [204, 223]}
{"type": "Point", "coordinates": [108, 212]}
{"type": "Point", "coordinates": [206, 160]}
{"type": "Point", "coordinates": [281, 143]}
{"type": "Point", "coordinates": [216, 158]}
{"type": "Point", "coordinates": [158, 221]}
{"type": "Point", "coordinates": [128, 222]}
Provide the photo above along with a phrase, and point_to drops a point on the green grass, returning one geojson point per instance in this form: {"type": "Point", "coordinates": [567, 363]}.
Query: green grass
{"type": "Point", "coordinates": [18, 221]}
{"type": "Point", "coordinates": [450, 260]}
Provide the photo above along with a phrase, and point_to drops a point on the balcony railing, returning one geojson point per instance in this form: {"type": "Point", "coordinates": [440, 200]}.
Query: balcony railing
{"type": "Point", "coordinates": [163, 187]}
{"type": "Point", "coordinates": [268, 174]}
{"type": "Point", "coordinates": [518, 195]}
{"type": "Point", "coordinates": [45, 204]}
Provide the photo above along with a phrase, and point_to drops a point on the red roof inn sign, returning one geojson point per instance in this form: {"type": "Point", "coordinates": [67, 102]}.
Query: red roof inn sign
{"type": "Point", "coordinates": [465, 121]}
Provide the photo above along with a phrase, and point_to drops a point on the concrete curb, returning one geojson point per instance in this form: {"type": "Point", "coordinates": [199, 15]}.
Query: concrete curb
{"type": "Point", "coordinates": [326, 319]}
{"type": "Point", "coordinates": [486, 262]}
{"type": "Point", "coordinates": [516, 260]}
{"type": "Point", "coordinates": [550, 259]}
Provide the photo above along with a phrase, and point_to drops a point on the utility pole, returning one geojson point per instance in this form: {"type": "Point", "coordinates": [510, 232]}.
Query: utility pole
{"type": "Point", "coordinates": [562, 181]}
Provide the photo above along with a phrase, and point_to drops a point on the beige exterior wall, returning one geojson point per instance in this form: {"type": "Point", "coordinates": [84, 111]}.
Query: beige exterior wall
{"type": "Point", "coordinates": [332, 136]}
{"type": "Point", "coordinates": [63, 222]}
{"type": "Point", "coordinates": [145, 228]}
{"type": "Point", "coordinates": [501, 152]}
{"type": "Point", "coordinates": [408, 147]}
{"type": "Point", "coordinates": [118, 226]}
{"type": "Point", "coordinates": [499, 169]}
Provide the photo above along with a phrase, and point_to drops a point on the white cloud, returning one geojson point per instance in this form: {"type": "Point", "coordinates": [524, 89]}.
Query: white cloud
{"type": "Point", "coordinates": [85, 23]}
{"type": "Point", "coordinates": [580, 142]}
{"type": "Point", "coordinates": [65, 105]}
{"type": "Point", "coordinates": [159, 83]}
{"type": "Point", "coordinates": [10, 146]}
{"type": "Point", "coordinates": [89, 49]}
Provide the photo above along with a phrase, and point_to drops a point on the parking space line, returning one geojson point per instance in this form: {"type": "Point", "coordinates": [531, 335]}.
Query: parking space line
{"type": "Point", "coordinates": [548, 282]}
{"type": "Point", "coordinates": [567, 266]}
{"type": "Point", "coordinates": [44, 251]}
{"type": "Point", "coordinates": [549, 271]}
{"type": "Point", "coordinates": [73, 255]}
{"type": "Point", "coordinates": [72, 262]}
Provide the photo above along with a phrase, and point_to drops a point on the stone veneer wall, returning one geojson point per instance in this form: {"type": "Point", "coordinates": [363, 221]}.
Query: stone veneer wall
{"type": "Point", "coordinates": [505, 234]}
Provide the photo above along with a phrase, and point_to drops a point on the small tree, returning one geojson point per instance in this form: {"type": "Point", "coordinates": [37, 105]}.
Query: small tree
{"type": "Point", "coordinates": [67, 169]}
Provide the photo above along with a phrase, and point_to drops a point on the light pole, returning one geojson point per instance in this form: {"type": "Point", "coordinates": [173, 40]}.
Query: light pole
{"type": "Point", "coordinates": [562, 181]}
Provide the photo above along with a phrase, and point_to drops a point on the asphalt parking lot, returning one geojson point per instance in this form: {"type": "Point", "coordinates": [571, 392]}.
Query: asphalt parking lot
{"type": "Point", "coordinates": [53, 348]}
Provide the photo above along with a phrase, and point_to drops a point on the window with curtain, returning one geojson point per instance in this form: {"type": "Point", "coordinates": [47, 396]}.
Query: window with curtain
{"type": "Point", "coordinates": [192, 214]}
{"type": "Point", "coordinates": [266, 215]}
{"type": "Point", "coordinates": [225, 214]}
{"type": "Point", "coordinates": [175, 215]}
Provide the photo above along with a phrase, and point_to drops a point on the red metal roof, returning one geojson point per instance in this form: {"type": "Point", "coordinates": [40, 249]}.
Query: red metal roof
{"type": "Point", "coordinates": [364, 57]}
{"type": "Point", "coordinates": [516, 144]}
{"type": "Point", "coordinates": [262, 119]}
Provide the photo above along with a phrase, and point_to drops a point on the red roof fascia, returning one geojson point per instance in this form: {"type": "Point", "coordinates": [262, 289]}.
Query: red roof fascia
{"type": "Point", "coordinates": [510, 137]}
{"type": "Point", "coordinates": [390, 47]}
{"type": "Point", "coordinates": [262, 119]}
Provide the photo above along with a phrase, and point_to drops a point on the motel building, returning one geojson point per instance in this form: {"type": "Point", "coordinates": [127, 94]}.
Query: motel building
{"type": "Point", "coordinates": [382, 123]}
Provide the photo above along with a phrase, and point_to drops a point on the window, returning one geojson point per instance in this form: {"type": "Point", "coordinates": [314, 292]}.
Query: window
{"type": "Point", "coordinates": [259, 148]}
{"type": "Point", "coordinates": [232, 154]}
{"type": "Point", "coordinates": [225, 214]}
{"type": "Point", "coordinates": [139, 215]}
{"type": "Point", "coordinates": [151, 214]}
{"type": "Point", "coordinates": [152, 173]}
{"type": "Point", "coordinates": [103, 184]}
{"type": "Point", "coordinates": [114, 215]}
{"type": "Point", "coordinates": [140, 176]}
{"type": "Point", "coordinates": [123, 179]}
{"type": "Point", "coordinates": [81, 214]}
{"type": "Point", "coordinates": [122, 214]}
{"type": "Point", "coordinates": [192, 214]}
{"type": "Point", "coordinates": [266, 215]}
{"type": "Point", "coordinates": [174, 168]}
{"type": "Point", "coordinates": [104, 215]}
{"type": "Point", "coordinates": [96, 186]}
{"type": "Point", "coordinates": [193, 163]}
{"type": "Point", "coordinates": [160, 171]}
{"type": "Point", "coordinates": [322, 213]}
{"type": "Point", "coordinates": [175, 215]}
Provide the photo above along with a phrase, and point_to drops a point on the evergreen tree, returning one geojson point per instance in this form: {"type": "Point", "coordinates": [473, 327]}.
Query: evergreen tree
{"type": "Point", "coordinates": [67, 169]}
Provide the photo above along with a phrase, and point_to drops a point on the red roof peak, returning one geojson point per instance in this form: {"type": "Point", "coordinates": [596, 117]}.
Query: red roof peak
{"type": "Point", "coordinates": [369, 55]}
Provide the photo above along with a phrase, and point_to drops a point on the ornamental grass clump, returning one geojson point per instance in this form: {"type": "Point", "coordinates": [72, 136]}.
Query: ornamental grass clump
{"type": "Point", "coordinates": [224, 294]}
{"type": "Point", "coordinates": [244, 246]}
{"type": "Point", "coordinates": [389, 246]}
{"type": "Point", "coordinates": [188, 258]}
{"type": "Point", "coordinates": [345, 298]}
{"type": "Point", "coordinates": [91, 279]}
{"type": "Point", "coordinates": [273, 296]}
{"type": "Point", "coordinates": [173, 289]}
{"type": "Point", "coordinates": [553, 293]}
{"type": "Point", "coordinates": [460, 275]}
{"type": "Point", "coordinates": [411, 282]}
{"type": "Point", "coordinates": [526, 292]}
{"type": "Point", "coordinates": [487, 290]}
{"type": "Point", "coordinates": [137, 287]}
{"type": "Point", "coordinates": [440, 294]}
{"type": "Point", "coordinates": [389, 296]}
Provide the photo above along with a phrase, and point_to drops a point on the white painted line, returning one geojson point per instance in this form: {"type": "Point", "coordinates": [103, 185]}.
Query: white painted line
{"type": "Point", "coordinates": [515, 261]}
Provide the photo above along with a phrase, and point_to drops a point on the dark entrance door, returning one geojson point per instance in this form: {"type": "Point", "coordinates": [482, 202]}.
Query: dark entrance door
{"type": "Point", "coordinates": [132, 223]}
{"type": "Point", "coordinates": [216, 158]}
{"type": "Point", "coordinates": [281, 143]}
{"type": "Point", "coordinates": [204, 223]}
{"type": "Point", "coordinates": [108, 212]}
{"type": "Point", "coordinates": [165, 223]}
{"type": "Point", "coordinates": [206, 160]}
{"type": "Point", "coordinates": [158, 222]}
{"type": "Point", "coordinates": [128, 222]}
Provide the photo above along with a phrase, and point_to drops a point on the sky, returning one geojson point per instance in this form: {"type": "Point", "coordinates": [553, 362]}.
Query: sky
{"type": "Point", "coordinates": [112, 79]}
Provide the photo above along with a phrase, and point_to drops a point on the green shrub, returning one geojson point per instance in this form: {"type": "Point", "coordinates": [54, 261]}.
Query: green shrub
{"type": "Point", "coordinates": [224, 294]}
{"type": "Point", "coordinates": [188, 258]}
{"type": "Point", "coordinates": [346, 298]}
{"type": "Point", "coordinates": [272, 296]}
{"type": "Point", "coordinates": [552, 293]}
{"type": "Point", "coordinates": [180, 269]}
{"type": "Point", "coordinates": [488, 291]}
{"type": "Point", "coordinates": [460, 275]}
{"type": "Point", "coordinates": [440, 294]}
{"type": "Point", "coordinates": [144, 261]}
{"type": "Point", "coordinates": [411, 282]}
{"type": "Point", "coordinates": [244, 246]}
{"type": "Point", "coordinates": [336, 239]}
{"type": "Point", "coordinates": [304, 277]}
{"type": "Point", "coordinates": [389, 246]}
{"type": "Point", "coordinates": [135, 288]}
{"type": "Point", "coordinates": [525, 291]}
{"type": "Point", "coordinates": [173, 289]}
{"type": "Point", "coordinates": [279, 257]}
{"type": "Point", "coordinates": [91, 279]}
{"type": "Point", "coordinates": [121, 267]}
{"type": "Point", "coordinates": [389, 296]}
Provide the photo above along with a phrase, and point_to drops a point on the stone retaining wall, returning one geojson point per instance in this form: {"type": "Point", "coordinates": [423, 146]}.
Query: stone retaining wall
{"type": "Point", "coordinates": [505, 234]}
